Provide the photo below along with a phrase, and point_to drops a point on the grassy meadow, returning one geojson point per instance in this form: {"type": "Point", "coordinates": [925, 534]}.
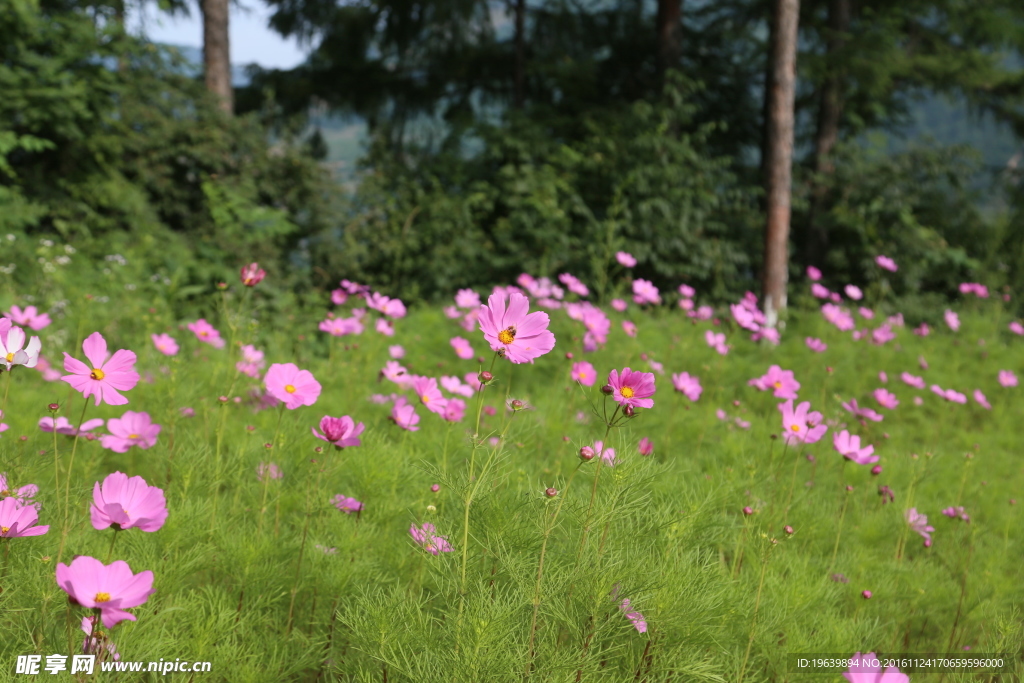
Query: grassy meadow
{"type": "Point", "coordinates": [270, 581]}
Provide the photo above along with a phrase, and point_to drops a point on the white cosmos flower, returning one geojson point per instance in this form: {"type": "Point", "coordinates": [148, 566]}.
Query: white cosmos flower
{"type": "Point", "coordinates": [12, 353]}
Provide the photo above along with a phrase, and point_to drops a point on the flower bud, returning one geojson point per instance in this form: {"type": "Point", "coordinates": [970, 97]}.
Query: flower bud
{"type": "Point", "coordinates": [608, 389]}
{"type": "Point", "coordinates": [748, 510]}
{"type": "Point", "coordinates": [551, 492]}
{"type": "Point", "coordinates": [849, 488]}
{"type": "Point", "coordinates": [866, 595]}
{"type": "Point", "coordinates": [222, 399]}
{"type": "Point", "coordinates": [586, 453]}
{"type": "Point", "coordinates": [628, 411]}
{"type": "Point", "coordinates": [318, 449]}
{"type": "Point", "coordinates": [485, 377]}
{"type": "Point", "coordinates": [876, 470]}
{"type": "Point", "coordinates": [268, 446]}
{"type": "Point", "coordinates": [431, 508]}
{"type": "Point", "coordinates": [788, 529]}
{"type": "Point", "coordinates": [516, 404]}
{"type": "Point", "coordinates": [222, 285]}
{"type": "Point", "coordinates": [53, 407]}
{"type": "Point", "coordinates": [568, 355]}
{"type": "Point", "coordinates": [435, 488]}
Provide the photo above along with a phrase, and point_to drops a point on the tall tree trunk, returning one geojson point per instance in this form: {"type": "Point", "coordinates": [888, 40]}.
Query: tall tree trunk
{"type": "Point", "coordinates": [668, 31]}
{"type": "Point", "coordinates": [779, 161]}
{"type": "Point", "coordinates": [519, 96]}
{"type": "Point", "coordinates": [830, 112]}
{"type": "Point", "coordinates": [217, 52]}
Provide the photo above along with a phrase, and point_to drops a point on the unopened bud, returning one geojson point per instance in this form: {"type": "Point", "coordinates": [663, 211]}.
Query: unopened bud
{"type": "Point", "coordinates": [435, 488]}
{"type": "Point", "coordinates": [788, 529]}
{"type": "Point", "coordinates": [222, 285]}
{"type": "Point", "coordinates": [318, 449]}
{"type": "Point", "coordinates": [748, 510]}
{"type": "Point", "coordinates": [485, 377]}
{"type": "Point", "coordinates": [608, 389]}
{"type": "Point", "coordinates": [568, 355]}
{"type": "Point", "coordinates": [516, 404]}
{"type": "Point", "coordinates": [222, 399]}
{"type": "Point", "coordinates": [628, 411]}
{"type": "Point", "coordinates": [866, 595]}
{"type": "Point", "coordinates": [268, 446]}
{"type": "Point", "coordinates": [849, 488]}
{"type": "Point", "coordinates": [586, 453]}
{"type": "Point", "coordinates": [876, 470]}
{"type": "Point", "coordinates": [53, 407]}
{"type": "Point", "coordinates": [551, 492]}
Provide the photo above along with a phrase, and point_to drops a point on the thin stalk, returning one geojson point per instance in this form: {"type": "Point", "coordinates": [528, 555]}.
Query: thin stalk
{"type": "Point", "coordinates": [266, 473]}
{"type": "Point", "coordinates": [753, 619]}
{"type": "Point", "coordinates": [110, 550]}
{"type": "Point", "coordinates": [7, 390]}
{"type": "Point", "coordinates": [839, 533]}
{"type": "Point", "coordinates": [67, 484]}
{"type": "Point", "coordinates": [298, 567]}
{"type": "Point", "coordinates": [216, 476]}
{"type": "Point", "coordinates": [593, 489]}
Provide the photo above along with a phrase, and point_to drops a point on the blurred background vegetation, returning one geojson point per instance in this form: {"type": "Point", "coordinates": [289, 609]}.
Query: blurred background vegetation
{"type": "Point", "coordinates": [434, 144]}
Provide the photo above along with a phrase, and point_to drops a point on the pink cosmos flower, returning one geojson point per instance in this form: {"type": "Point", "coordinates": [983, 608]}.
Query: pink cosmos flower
{"type": "Point", "coordinates": [285, 382]}
{"type": "Point", "coordinates": [29, 317]}
{"type": "Point", "coordinates": [644, 292]}
{"type": "Point", "coordinates": [24, 494]}
{"type": "Point", "coordinates": [687, 291]}
{"type": "Point", "coordinates": [125, 502]}
{"type": "Point", "coordinates": [269, 471]}
{"type": "Point", "coordinates": [916, 382]}
{"type": "Point", "coordinates": [863, 670]}
{"type": "Point", "coordinates": [801, 426]}
{"type": "Point", "coordinates": [62, 426]}
{"type": "Point", "coordinates": [252, 275]}
{"type": "Point", "coordinates": [95, 644]}
{"type": "Point", "coordinates": [716, 340]}
{"type": "Point", "coordinates": [109, 588]}
{"type": "Point", "coordinates": [781, 382]}
{"type": "Point", "coordinates": [453, 385]}
{"type": "Point", "coordinates": [838, 316]}
{"type": "Point", "coordinates": [629, 327]}
{"type": "Point", "coordinates": [165, 344]}
{"type": "Point", "coordinates": [646, 446]}
{"type": "Point", "coordinates": [18, 519]}
{"type": "Point", "coordinates": [512, 331]}
{"type": "Point", "coordinates": [866, 313]}
{"type": "Point", "coordinates": [619, 305]}
{"type": "Point", "coordinates": [49, 373]}
{"type": "Point", "coordinates": [975, 288]}
{"type": "Point", "coordinates": [813, 273]}
{"type": "Point", "coordinates": [598, 326]}
{"type": "Point", "coordinates": [473, 380]}
{"type": "Point", "coordinates": [882, 377]}
{"type": "Point", "coordinates": [922, 330]}
{"type": "Point", "coordinates": [625, 259]}
{"type": "Point", "coordinates": [252, 361]}
{"type": "Point", "coordinates": [882, 335]}
{"type": "Point", "coordinates": [339, 297]}
{"type": "Point", "coordinates": [982, 401]}
{"type": "Point", "coordinates": [815, 344]}
{"type": "Point", "coordinates": [573, 284]}
{"type": "Point", "coordinates": [346, 504]}
{"type": "Point", "coordinates": [393, 371]}
{"type": "Point", "coordinates": [957, 512]}
{"type": "Point", "coordinates": [848, 446]}
{"type": "Point", "coordinates": [430, 396]}
{"type": "Point", "coordinates": [426, 536]}
{"type": "Point", "coordinates": [886, 399]}
{"type": "Point", "coordinates": [744, 317]}
{"type": "Point", "coordinates": [454, 410]}
{"type": "Point", "coordinates": [404, 415]}
{"type": "Point", "coordinates": [106, 377]}
{"type": "Point", "coordinates": [950, 395]}
{"type": "Point", "coordinates": [206, 333]}
{"type": "Point", "coordinates": [584, 373]}
{"type": "Point", "coordinates": [686, 304]}
{"type": "Point", "coordinates": [385, 327]}
{"type": "Point", "coordinates": [462, 348]}
{"type": "Point", "coordinates": [687, 385]}
{"type": "Point", "coordinates": [952, 320]}
{"type": "Point", "coordinates": [886, 263]}
{"type": "Point", "coordinates": [605, 454]}
{"type": "Point", "coordinates": [342, 431]}
{"type": "Point", "coordinates": [396, 351]}
{"type": "Point", "coordinates": [131, 429]}
{"type": "Point", "coordinates": [1016, 328]}
{"type": "Point", "coordinates": [637, 619]}
{"type": "Point", "coordinates": [866, 413]}
{"type": "Point", "coordinates": [339, 327]}
{"type": "Point", "coordinates": [819, 291]}
{"type": "Point", "coordinates": [632, 388]}
{"type": "Point", "coordinates": [919, 524]}
{"type": "Point", "coordinates": [702, 313]}
{"type": "Point", "coordinates": [853, 292]}
{"type": "Point", "coordinates": [1007, 378]}
{"type": "Point", "coordinates": [467, 298]}
{"type": "Point", "coordinates": [12, 353]}
{"type": "Point", "coordinates": [392, 308]}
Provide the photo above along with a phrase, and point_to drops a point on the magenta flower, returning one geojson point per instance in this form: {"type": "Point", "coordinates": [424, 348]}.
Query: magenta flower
{"type": "Point", "coordinates": [584, 373]}
{"type": "Point", "coordinates": [131, 429]}
{"type": "Point", "coordinates": [853, 292]}
{"type": "Point", "coordinates": [1007, 378]}
{"type": "Point", "coordinates": [404, 415]}
{"type": "Point", "coordinates": [462, 347]}
{"type": "Point", "coordinates": [916, 382]}
{"type": "Point", "coordinates": [346, 504]}
{"type": "Point", "coordinates": [866, 413]}
{"type": "Point", "coordinates": [29, 317]}
{"type": "Point", "coordinates": [252, 275]}
{"type": "Point", "coordinates": [781, 382]}
{"type": "Point", "coordinates": [957, 512]}
{"type": "Point", "coordinates": [268, 470]}
{"type": "Point", "coordinates": [396, 351]}
{"type": "Point", "coordinates": [285, 382]}
{"type": "Point", "coordinates": [815, 344]}
{"type": "Point", "coordinates": [801, 426]}
{"type": "Point", "coordinates": [950, 395]}
{"type": "Point", "coordinates": [646, 446]}
{"type": "Point", "coordinates": [393, 371]}
{"type": "Point", "coordinates": [340, 431]}
{"type": "Point", "coordinates": [886, 399]}
{"type": "Point", "coordinates": [813, 273]}
{"type": "Point", "coordinates": [206, 333]}
{"type": "Point", "coordinates": [17, 519]}
{"type": "Point", "coordinates": [886, 263]}
{"type": "Point", "coordinates": [428, 393]}
{"type": "Point", "coordinates": [838, 316]}
{"type": "Point", "coordinates": [426, 536]}
{"type": "Point", "coordinates": [106, 377]}
{"type": "Point", "coordinates": [109, 588]}
{"type": "Point", "coordinates": [454, 410]}
{"type": "Point", "coordinates": [919, 524]}
{"type": "Point", "coordinates": [863, 669]}
{"type": "Point", "coordinates": [644, 292]}
{"type": "Point", "coordinates": [848, 446]}
{"type": "Point", "coordinates": [62, 426]}
{"type": "Point", "coordinates": [514, 332]}
{"type": "Point", "coordinates": [125, 502]}
{"type": "Point", "coordinates": [165, 344]}
{"type": "Point", "coordinates": [632, 389]}
{"type": "Point", "coordinates": [625, 259]}
{"type": "Point", "coordinates": [952, 320]}
{"type": "Point", "coordinates": [745, 318]}
{"type": "Point", "coordinates": [687, 291]}
{"type": "Point", "coordinates": [687, 385]}
{"type": "Point", "coordinates": [882, 335]}
{"type": "Point", "coordinates": [982, 401]}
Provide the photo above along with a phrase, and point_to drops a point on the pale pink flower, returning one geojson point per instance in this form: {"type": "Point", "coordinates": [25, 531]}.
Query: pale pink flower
{"type": "Point", "coordinates": [922, 330]}
{"type": "Point", "coordinates": [108, 374]}
{"type": "Point", "coordinates": [702, 313]}
{"type": "Point", "coordinates": [629, 328]}
{"type": "Point", "coordinates": [886, 263]}
{"type": "Point", "coordinates": [813, 273]}
{"type": "Point", "coordinates": [573, 284]}
{"type": "Point", "coordinates": [269, 470]}
{"type": "Point", "coordinates": [866, 313]}
{"type": "Point", "coordinates": [252, 361]}
{"type": "Point", "coordinates": [396, 351]}
{"type": "Point", "coordinates": [606, 454]}
{"type": "Point", "coordinates": [295, 387]}
{"type": "Point", "coordinates": [453, 385]}
{"type": "Point", "coordinates": [687, 385]}
{"type": "Point", "coordinates": [625, 259]}
{"type": "Point", "coordinates": [646, 446]}
{"type": "Point", "coordinates": [838, 316]}
{"type": "Point", "coordinates": [12, 353]}
{"type": "Point", "coordinates": [29, 317]}
{"type": "Point", "coordinates": [514, 332]}
{"type": "Point", "coordinates": [342, 431]}
{"type": "Point", "coordinates": [781, 382]}
{"type": "Point", "coordinates": [632, 388]}
{"type": "Point", "coordinates": [982, 401]}
{"type": "Point", "coordinates": [686, 304]}
{"type": "Point", "coordinates": [96, 644]}
{"type": "Point", "coordinates": [339, 327]}
{"type": "Point", "coordinates": [853, 292]}
{"type": "Point", "coordinates": [882, 377]}
{"type": "Point", "coordinates": [17, 519]}
{"type": "Point", "coordinates": [687, 291]}
{"type": "Point", "coordinates": [462, 347]}
{"type": "Point", "coordinates": [957, 512]}
{"type": "Point", "coordinates": [799, 425]}
{"type": "Point", "coordinates": [165, 344]}
{"type": "Point", "coordinates": [848, 446]}
{"type": "Point", "coordinates": [206, 333]}
{"type": "Point", "coordinates": [637, 619]}
{"type": "Point", "coordinates": [1016, 328]}
{"type": "Point", "coordinates": [430, 396]}
{"type": "Point", "coordinates": [426, 536]}
{"type": "Point", "coordinates": [644, 292]}
{"type": "Point", "coordinates": [404, 415]}
{"type": "Point", "coordinates": [919, 523]}
{"type": "Point", "coordinates": [23, 494]}
{"type": "Point", "coordinates": [815, 344]}
{"type": "Point", "coordinates": [109, 588]}
{"type": "Point", "coordinates": [125, 502]}
{"type": "Point", "coordinates": [716, 340]}
{"type": "Point", "coordinates": [454, 410]}
{"type": "Point", "coordinates": [473, 380]}
{"type": "Point", "coordinates": [952, 320]}
{"type": "Point", "coordinates": [393, 371]}
{"type": "Point", "coordinates": [392, 308]}
{"type": "Point", "coordinates": [49, 373]}
{"type": "Point", "coordinates": [866, 413]}
{"type": "Point", "coordinates": [886, 399]}
{"type": "Point", "coordinates": [619, 305]}
{"type": "Point", "coordinates": [950, 395]}
{"type": "Point", "coordinates": [912, 380]}
{"type": "Point", "coordinates": [347, 504]}
{"type": "Point", "coordinates": [467, 298]}
{"type": "Point", "coordinates": [744, 317]}
{"type": "Point", "coordinates": [339, 297]}
{"type": "Point", "coordinates": [882, 335]}
{"type": "Point", "coordinates": [385, 327]}
{"type": "Point", "coordinates": [1007, 378]}
{"type": "Point", "coordinates": [584, 373]}
{"type": "Point", "coordinates": [131, 429]}
{"type": "Point", "coordinates": [863, 669]}
{"type": "Point", "coordinates": [819, 291]}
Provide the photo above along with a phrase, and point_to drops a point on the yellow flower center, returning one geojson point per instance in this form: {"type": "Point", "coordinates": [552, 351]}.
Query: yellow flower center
{"type": "Point", "coordinates": [4, 530]}
{"type": "Point", "coordinates": [10, 357]}
{"type": "Point", "coordinates": [583, 375]}
{"type": "Point", "coordinates": [290, 388]}
{"type": "Point", "coordinates": [627, 392]}
{"type": "Point", "coordinates": [507, 336]}
{"type": "Point", "coordinates": [204, 334]}
{"type": "Point", "coordinates": [778, 385]}
{"type": "Point", "coordinates": [425, 399]}
{"type": "Point", "coordinates": [97, 374]}
{"type": "Point", "coordinates": [133, 436]}
{"type": "Point", "coordinates": [102, 597]}
{"type": "Point", "coordinates": [795, 428]}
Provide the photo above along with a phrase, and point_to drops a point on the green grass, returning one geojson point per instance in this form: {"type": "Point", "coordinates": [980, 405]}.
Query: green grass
{"type": "Point", "coordinates": [723, 600]}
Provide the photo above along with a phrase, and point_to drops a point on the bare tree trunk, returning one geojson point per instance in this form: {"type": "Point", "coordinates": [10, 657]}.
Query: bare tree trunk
{"type": "Point", "coordinates": [668, 32]}
{"type": "Point", "coordinates": [519, 97]}
{"type": "Point", "coordinates": [779, 162]}
{"type": "Point", "coordinates": [830, 112]}
{"type": "Point", "coordinates": [217, 52]}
